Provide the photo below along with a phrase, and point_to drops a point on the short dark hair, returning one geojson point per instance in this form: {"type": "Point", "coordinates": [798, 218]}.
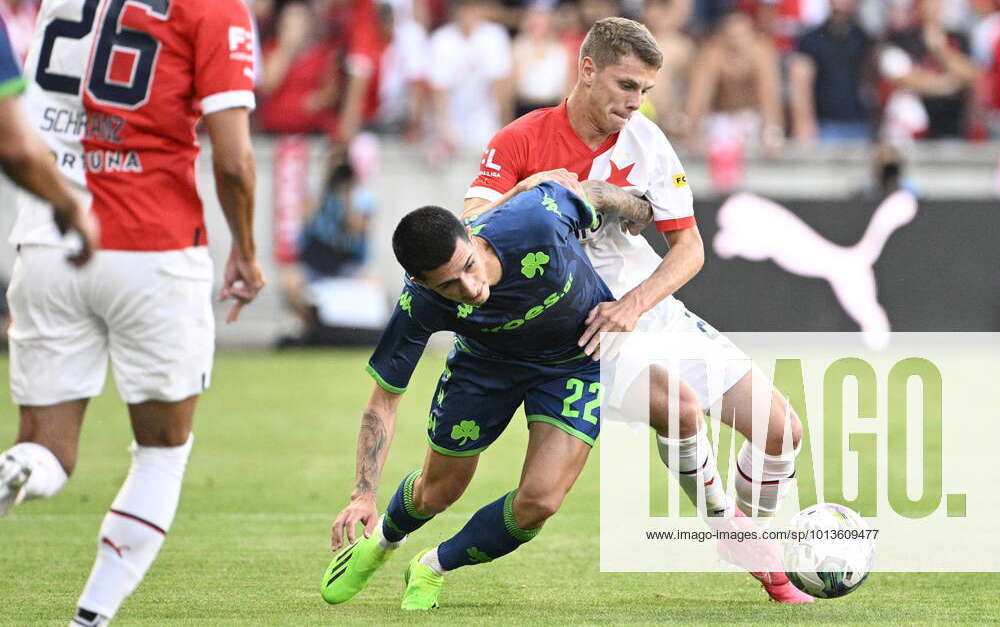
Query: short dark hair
{"type": "Point", "coordinates": [425, 239]}
{"type": "Point", "coordinates": [610, 39]}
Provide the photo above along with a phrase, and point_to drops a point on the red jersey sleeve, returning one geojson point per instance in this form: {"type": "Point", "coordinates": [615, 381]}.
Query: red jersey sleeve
{"type": "Point", "coordinates": [224, 56]}
{"type": "Point", "coordinates": [363, 48]}
{"type": "Point", "coordinates": [503, 164]}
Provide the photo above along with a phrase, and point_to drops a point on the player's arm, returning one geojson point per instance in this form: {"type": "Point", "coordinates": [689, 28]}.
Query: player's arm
{"type": "Point", "coordinates": [609, 198]}
{"type": "Point", "coordinates": [475, 206]}
{"type": "Point", "coordinates": [26, 160]}
{"type": "Point", "coordinates": [378, 422]}
{"type": "Point", "coordinates": [235, 178]}
{"type": "Point", "coordinates": [684, 259]}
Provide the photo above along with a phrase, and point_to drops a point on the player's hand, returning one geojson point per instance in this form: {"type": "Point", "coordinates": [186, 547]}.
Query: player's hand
{"type": "Point", "coordinates": [77, 218]}
{"type": "Point", "coordinates": [618, 316]}
{"type": "Point", "coordinates": [361, 509]}
{"type": "Point", "coordinates": [241, 281]}
{"type": "Point", "coordinates": [562, 176]}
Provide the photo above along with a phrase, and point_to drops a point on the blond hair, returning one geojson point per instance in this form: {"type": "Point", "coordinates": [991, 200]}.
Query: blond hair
{"type": "Point", "coordinates": [610, 39]}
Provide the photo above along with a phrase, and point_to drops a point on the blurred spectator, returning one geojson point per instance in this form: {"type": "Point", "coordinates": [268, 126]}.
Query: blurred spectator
{"type": "Point", "coordinates": [469, 71]}
{"type": "Point", "coordinates": [985, 44]}
{"type": "Point", "coordinates": [785, 20]}
{"type": "Point", "coordinates": [318, 68]}
{"type": "Point", "coordinates": [830, 79]}
{"type": "Point", "coordinates": [576, 18]}
{"type": "Point", "coordinates": [887, 174]}
{"type": "Point", "coordinates": [402, 72]}
{"type": "Point", "coordinates": [664, 19]}
{"type": "Point", "coordinates": [328, 289]}
{"type": "Point", "coordinates": [933, 64]}
{"type": "Point", "coordinates": [541, 62]}
{"type": "Point", "coordinates": [19, 16]}
{"type": "Point", "coordinates": [735, 86]}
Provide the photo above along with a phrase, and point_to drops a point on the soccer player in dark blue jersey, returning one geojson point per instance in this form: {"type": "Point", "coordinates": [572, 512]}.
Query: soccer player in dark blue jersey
{"type": "Point", "coordinates": [24, 158]}
{"type": "Point", "coordinates": [516, 288]}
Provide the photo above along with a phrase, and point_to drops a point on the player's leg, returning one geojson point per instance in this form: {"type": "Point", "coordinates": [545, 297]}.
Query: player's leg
{"type": "Point", "coordinates": [142, 513]}
{"type": "Point", "coordinates": [563, 413]}
{"type": "Point", "coordinates": [457, 435]}
{"type": "Point", "coordinates": [420, 496]}
{"type": "Point", "coordinates": [157, 307]}
{"type": "Point", "coordinates": [682, 440]}
{"type": "Point", "coordinates": [726, 371]}
{"type": "Point", "coordinates": [44, 457]}
{"type": "Point", "coordinates": [58, 360]}
{"type": "Point", "coordinates": [765, 467]}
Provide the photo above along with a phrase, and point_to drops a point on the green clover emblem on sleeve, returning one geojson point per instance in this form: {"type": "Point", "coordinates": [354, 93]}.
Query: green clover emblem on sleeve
{"type": "Point", "coordinates": [550, 204]}
{"type": "Point", "coordinates": [406, 303]}
{"type": "Point", "coordinates": [533, 263]}
{"type": "Point", "coordinates": [465, 431]}
{"type": "Point", "coordinates": [478, 556]}
{"type": "Point", "coordinates": [476, 229]}
{"type": "Point", "coordinates": [464, 310]}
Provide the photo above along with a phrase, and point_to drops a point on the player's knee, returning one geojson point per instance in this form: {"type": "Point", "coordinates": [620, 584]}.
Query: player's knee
{"type": "Point", "coordinates": [785, 432]}
{"type": "Point", "coordinates": [531, 510]}
{"type": "Point", "coordinates": [688, 411]}
{"type": "Point", "coordinates": [434, 499]}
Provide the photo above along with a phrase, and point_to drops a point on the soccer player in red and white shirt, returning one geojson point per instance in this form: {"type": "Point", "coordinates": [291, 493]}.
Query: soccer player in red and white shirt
{"type": "Point", "coordinates": [627, 163]}
{"type": "Point", "coordinates": [115, 89]}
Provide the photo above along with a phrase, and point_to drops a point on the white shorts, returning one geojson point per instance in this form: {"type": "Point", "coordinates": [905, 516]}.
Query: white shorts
{"type": "Point", "coordinates": [150, 312]}
{"type": "Point", "coordinates": [706, 360]}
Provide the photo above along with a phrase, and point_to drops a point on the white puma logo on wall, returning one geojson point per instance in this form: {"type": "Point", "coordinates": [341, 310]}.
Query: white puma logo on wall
{"type": "Point", "coordinates": [757, 229]}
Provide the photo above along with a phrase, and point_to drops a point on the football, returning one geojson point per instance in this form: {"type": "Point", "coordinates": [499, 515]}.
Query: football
{"type": "Point", "coordinates": [831, 552]}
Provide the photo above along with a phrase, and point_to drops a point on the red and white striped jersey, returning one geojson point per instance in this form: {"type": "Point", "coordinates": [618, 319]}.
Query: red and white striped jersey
{"type": "Point", "coordinates": [116, 88]}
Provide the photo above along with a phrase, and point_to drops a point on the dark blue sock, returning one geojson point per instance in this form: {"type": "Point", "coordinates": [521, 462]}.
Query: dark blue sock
{"type": "Point", "coordinates": [492, 532]}
{"type": "Point", "coordinates": [401, 517]}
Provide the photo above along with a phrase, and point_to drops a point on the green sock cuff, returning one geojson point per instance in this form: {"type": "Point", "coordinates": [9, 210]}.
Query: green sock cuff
{"type": "Point", "coordinates": [511, 523]}
{"type": "Point", "coordinates": [408, 496]}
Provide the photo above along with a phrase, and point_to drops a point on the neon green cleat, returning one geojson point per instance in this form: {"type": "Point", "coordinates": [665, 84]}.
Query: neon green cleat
{"type": "Point", "coordinates": [351, 569]}
{"type": "Point", "coordinates": [423, 585]}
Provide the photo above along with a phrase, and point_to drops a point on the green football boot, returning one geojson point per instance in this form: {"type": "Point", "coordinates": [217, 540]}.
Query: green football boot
{"type": "Point", "coordinates": [423, 585]}
{"type": "Point", "coordinates": [351, 569]}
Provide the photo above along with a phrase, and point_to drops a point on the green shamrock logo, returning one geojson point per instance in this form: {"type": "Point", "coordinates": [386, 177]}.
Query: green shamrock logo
{"type": "Point", "coordinates": [464, 311]}
{"type": "Point", "coordinates": [478, 556]}
{"type": "Point", "coordinates": [533, 263]}
{"type": "Point", "coordinates": [476, 229]}
{"type": "Point", "coordinates": [465, 431]}
{"type": "Point", "coordinates": [406, 302]}
{"type": "Point", "coordinates": [550, 204]}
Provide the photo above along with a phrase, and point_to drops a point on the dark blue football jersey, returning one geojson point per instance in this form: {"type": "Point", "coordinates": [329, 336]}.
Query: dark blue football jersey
{"type": "Point", "coordinates": [10, 73]}
{"type": "Point", "coordinates": [535, 313]}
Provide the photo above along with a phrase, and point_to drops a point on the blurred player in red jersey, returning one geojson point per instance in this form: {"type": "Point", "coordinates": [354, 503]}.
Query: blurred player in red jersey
{"type": "Point", "coordinates": [595, 135]}
{"type": "Point", "coordinates": [115, 89]}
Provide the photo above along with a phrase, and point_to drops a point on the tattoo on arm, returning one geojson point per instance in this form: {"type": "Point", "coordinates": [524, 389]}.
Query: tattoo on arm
{"type": "Point", "coordinates": [371, 444]}
{"type": "Point", "coordinates": [615, 200]}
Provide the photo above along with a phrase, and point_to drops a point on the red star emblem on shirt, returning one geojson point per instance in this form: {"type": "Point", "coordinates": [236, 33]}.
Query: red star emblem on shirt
{"type": "Point", "coordinates": [619, 176]}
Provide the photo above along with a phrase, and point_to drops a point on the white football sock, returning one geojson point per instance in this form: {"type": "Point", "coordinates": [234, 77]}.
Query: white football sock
{"type": "Point", "coordinates": [135, 526]}
{"type": "Point", "coordinates": [771, 476]}
{"type": "Point", "coordinates": [696, 467]}
{"type": "Point", "coordinates": [47, 474]}
{"type": "Point", "coordinates": [384, 544]}
{"type": "Point", "coordinates": [431, 560]}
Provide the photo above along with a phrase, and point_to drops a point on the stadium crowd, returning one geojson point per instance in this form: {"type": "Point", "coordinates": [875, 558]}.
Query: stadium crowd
{"type": "Point", "coordinates": [750, 72]}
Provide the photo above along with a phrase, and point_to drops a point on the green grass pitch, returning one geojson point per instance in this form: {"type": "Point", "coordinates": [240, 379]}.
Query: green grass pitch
{"type": "Point", "coordinates": [274, 462]}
